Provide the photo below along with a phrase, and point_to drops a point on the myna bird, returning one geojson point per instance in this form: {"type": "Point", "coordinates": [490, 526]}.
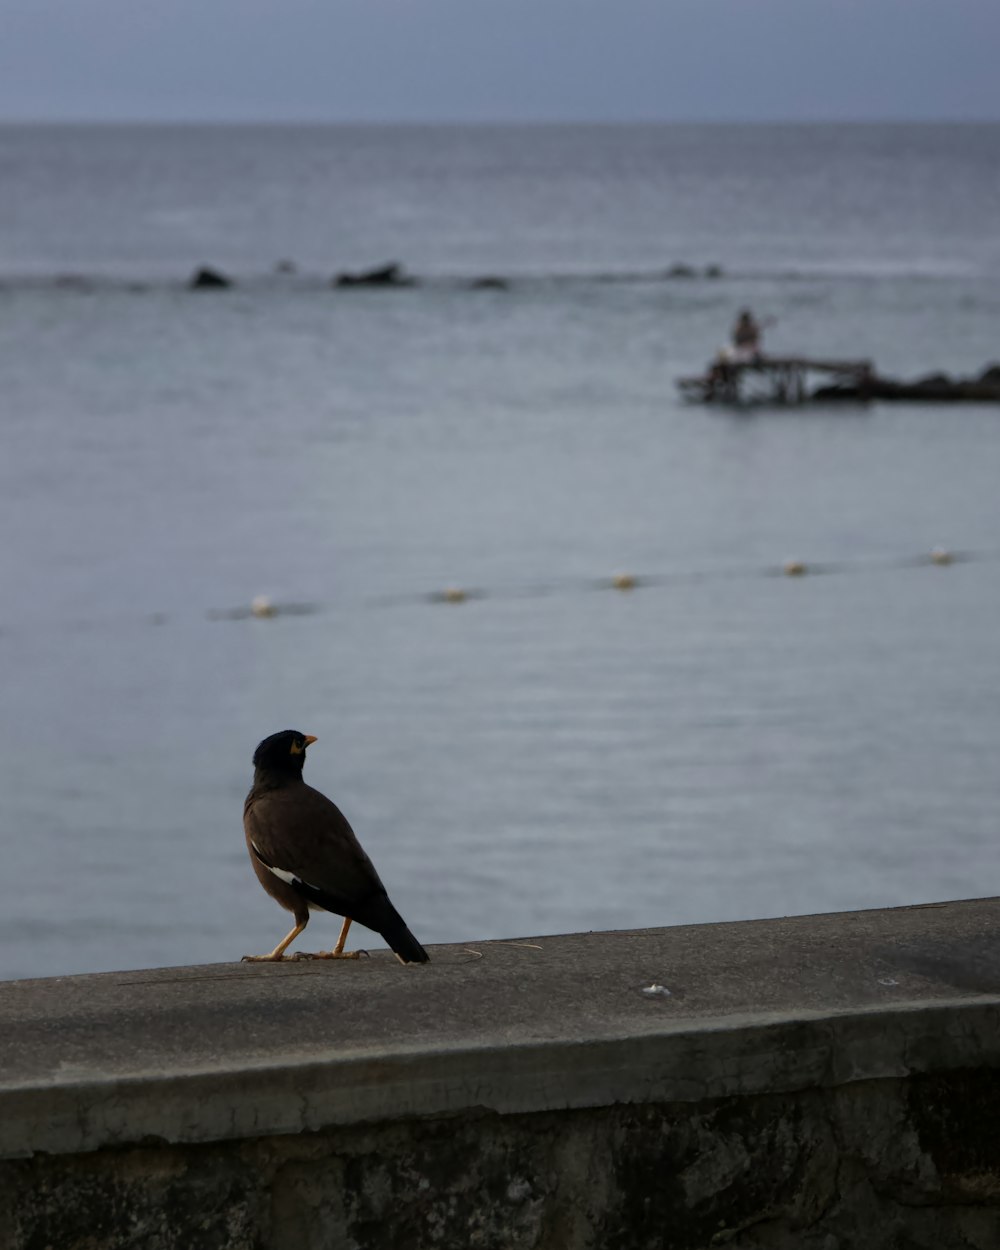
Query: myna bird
{"type": "Point", "coordinates": [306, 856]}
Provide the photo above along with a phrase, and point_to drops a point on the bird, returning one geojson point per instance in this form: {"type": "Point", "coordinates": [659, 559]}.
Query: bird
{"type": "Point", "coordinates": [307, 857]}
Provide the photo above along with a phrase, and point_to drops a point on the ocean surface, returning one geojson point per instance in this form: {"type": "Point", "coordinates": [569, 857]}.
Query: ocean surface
{"type": "Point", "coordinates": [550, 754]}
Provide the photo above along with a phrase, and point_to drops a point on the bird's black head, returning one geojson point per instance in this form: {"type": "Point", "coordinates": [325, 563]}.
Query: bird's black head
{"type": "Point", "coordinates": [283, 752]}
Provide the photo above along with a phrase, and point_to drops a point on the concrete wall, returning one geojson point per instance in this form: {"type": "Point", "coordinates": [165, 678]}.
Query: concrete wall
{"type": "Point", "coordinates": [823, 1082]}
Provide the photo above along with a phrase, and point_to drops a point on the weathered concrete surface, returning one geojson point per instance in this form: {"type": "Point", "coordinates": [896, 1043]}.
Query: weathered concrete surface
{"type": "Point", "coordinates": [818, 1081]}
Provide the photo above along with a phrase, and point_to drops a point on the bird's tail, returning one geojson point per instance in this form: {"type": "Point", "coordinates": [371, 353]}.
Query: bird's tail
{"type": "Point", "coordinates": [401, 940]}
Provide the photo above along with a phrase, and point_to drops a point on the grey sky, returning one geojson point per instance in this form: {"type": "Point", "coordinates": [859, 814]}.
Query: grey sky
{"type": "Point", "coordinates": [479, 60]}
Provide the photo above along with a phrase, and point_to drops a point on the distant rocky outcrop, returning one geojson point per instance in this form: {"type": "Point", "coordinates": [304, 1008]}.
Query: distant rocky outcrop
{"type": "Point", "coordinates": [489, 283]}
{"type": "Point", "coordinates": [691, 271]}
{"type": "Point", "coordinates": [392, 274]}
{"type": "Point", "coordinates": [209, 279]}
{"type": "Point", "coordinates": [937, 387]}
{"type": "Point", "coordinates": [73, 282]}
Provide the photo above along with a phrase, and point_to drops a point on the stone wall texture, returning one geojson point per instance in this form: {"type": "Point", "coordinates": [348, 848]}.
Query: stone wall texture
{"type": "Point", "coordinates": [903, 1164]}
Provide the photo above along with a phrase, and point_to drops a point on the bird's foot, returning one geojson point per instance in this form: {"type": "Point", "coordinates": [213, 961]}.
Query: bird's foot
{"type": "Point", "coordinates": [331, 955]}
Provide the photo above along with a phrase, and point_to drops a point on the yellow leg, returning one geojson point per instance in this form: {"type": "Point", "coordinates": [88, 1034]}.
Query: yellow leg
{"type": "Point", "coordinates": [339, 948]}
{"type": "Point", "coordinates": [279, 951]}
{"type": "Point", "coordinates": [338, 951]}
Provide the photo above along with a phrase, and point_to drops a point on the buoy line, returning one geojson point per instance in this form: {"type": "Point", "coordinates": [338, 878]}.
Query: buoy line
{"type": "Point", "coordinates": [264, 608]}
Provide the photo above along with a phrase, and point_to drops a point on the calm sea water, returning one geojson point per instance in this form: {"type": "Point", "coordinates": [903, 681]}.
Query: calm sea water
{"type": "Point", "coordinates": [721, 742]}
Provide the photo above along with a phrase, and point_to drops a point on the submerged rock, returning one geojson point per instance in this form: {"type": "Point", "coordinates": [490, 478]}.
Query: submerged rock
{"type": "Point", "coordinates": [690, 271]}
{"type": "Point", "coordinates": [73, 282]}
{"type": "Point", "coordinates": [392, 274]}
{"type": "Point", "coordinates": [206, 278]}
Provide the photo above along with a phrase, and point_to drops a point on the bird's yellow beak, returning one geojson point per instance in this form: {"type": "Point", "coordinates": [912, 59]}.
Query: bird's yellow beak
{"type": "Point", "coordinates": [310, 739]}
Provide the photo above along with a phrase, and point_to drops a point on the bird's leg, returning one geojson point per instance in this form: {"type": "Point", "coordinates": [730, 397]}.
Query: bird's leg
{"type": "Point", "coordinates": [279, 951]}
{"type": "Point", "coordinates": [338, 951]}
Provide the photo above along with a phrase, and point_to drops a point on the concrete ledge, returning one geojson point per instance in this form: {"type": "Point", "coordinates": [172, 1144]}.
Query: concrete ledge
{"type": "Point", "coordinates": [246, 1051]}
{"type": "Point", "coordinates": [817, 1083]}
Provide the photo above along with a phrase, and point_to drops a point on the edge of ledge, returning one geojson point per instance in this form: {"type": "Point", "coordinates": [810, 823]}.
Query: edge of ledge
{"type": "Point", "coordinates": [688, 1061]}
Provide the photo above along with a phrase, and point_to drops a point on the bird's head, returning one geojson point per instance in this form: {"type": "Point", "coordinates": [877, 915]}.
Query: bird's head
{"type": "Point", "coordinates": [283, 752]}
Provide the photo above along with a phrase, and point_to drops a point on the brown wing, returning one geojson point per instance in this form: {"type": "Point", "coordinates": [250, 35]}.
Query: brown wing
{"type": "Point", "coordinates": [299, 831]}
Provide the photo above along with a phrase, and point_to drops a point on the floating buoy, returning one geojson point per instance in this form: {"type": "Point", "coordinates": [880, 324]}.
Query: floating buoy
{"type": "Point", "coordinates": [261, 605]}
{"type": "Point", "coordinates": [794, 568]}
{"type": "Point", "coordinates": [940, 555]}
{"type": "Point", "coordinates": [453, 594]}
{"type": "Point", "coordinates": [623, 581]}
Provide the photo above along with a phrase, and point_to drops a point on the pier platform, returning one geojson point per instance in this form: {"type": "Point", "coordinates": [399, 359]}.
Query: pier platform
{"type": "Point", "coordinates": [773, 379]}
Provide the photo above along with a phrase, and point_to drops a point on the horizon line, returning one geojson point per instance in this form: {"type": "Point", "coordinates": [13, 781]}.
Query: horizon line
{"type": "Point", "coordinates": [486, 122]}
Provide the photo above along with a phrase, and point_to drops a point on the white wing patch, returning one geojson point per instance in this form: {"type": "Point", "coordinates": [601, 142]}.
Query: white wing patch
{"type": "Point", "coordinates": [289, 878]}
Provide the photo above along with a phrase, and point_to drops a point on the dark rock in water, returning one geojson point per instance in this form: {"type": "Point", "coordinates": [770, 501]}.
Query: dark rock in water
{"type": "Point", "coordinates": [286, 266]}
{"type": "Point", "coordinates": [837, 391]}
{"type": "Point", "coordinates": [392, 274]}
{"type": "Point", "coordinates": [73, 282]}
{"type": "Point", "coordinates": [205, 279]}
{"type": "Point", "coordinates": [489, 283]}
{"type": "Point", "coordinates": [713, 271]}
{"type": "Point", "coordinates": [991, 375]}
{"type": "Point", "coordinates": [682, 271]}
{"type": "Point", "coordinates": [937, 387]}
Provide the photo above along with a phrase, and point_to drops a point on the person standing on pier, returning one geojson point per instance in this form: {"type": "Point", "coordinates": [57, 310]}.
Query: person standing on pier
{"type": "Point", "coordinates": [747, 332]}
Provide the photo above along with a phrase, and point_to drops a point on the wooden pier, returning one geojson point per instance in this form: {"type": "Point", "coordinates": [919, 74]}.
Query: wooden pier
{"type": "Point", "coordinates": [788, 380]}
{"type": "Point", "coordinates": [774, 379]}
